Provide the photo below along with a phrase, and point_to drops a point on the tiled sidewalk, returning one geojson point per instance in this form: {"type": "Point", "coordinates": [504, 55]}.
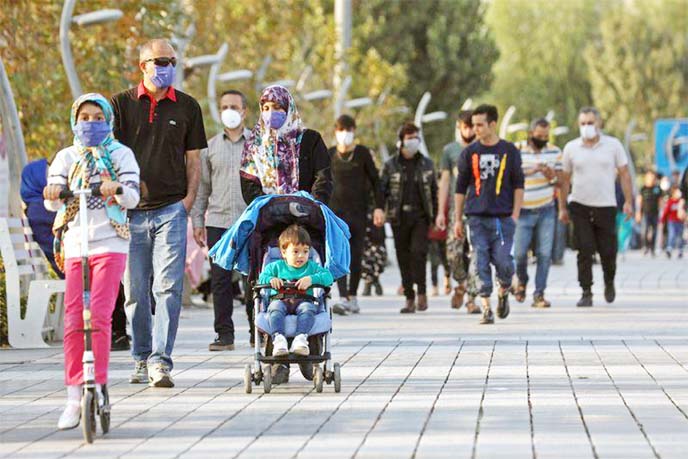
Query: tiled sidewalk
{"type": "Point", "coordinates": [606, 382]}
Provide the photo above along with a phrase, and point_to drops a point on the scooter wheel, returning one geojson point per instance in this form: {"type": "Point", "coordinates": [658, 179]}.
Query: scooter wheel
{"type": "Point", "coordinates": [104, 411]}
{"type": "Point", "coordinates": [337, 378]}
{"type": "Point", "coordinates": [88, 415]}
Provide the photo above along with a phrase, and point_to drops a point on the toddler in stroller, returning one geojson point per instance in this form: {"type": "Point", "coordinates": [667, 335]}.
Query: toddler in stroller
{"type": "Point", "coordinates": [300, 274]}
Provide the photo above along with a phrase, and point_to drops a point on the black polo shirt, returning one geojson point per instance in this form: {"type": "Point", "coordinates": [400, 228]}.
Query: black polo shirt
{"type": "Point", "coordinates": [160, 133]}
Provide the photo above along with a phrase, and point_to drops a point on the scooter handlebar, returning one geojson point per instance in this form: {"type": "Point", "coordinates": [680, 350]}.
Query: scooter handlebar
{"type": "Point", "coordinates": [95, 191]}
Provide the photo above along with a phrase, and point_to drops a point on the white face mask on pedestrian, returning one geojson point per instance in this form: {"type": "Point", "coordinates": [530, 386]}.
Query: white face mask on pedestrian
{"type": "Point", "coordinates": [344, 138]}
{"type": "Point", "coordinates": [231, 118]}
{"type": "Point", "coordinates": [588, 131]}
{"type": "Point", "coordinates": [411, 146]}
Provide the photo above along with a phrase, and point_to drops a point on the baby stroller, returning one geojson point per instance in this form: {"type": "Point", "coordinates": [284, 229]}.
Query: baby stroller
{"type": "Point", "coordinates": [257, 238]}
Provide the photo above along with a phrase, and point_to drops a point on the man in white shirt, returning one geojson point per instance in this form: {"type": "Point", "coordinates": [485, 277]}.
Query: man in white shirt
{"type": "Point", "coordinates": [592, 163]}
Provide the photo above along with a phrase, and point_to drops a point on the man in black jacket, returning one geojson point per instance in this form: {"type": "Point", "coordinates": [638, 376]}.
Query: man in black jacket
{"type": "Point", "coordinates": [409, 188]}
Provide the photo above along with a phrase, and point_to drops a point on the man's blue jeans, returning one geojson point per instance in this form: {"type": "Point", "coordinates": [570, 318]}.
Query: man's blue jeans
{"type": "Point", "coordinates": [154, 276]}
{"type": "Point", "coordinates": [305, 316]}
{"type": "Point", "coordinates": [538, 224]}
{"type": "Point", "coordinates": [492, 239]}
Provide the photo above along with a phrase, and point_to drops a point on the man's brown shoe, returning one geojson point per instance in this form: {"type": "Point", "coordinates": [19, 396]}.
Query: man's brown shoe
{"type": "Point", "coordinates": [471, 307]}
{"type": "Point", "coordinates": [457, 297]}
{"type": "Point", "coordinates": [422, 302]}
{"type": "Point", "coordinates": [410, 307]}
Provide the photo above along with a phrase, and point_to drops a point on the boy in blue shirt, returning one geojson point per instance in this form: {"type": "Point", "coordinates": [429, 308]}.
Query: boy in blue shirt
{"type": "Point", "coordinates": [295, 245]}
{"type": "Point", "coordinates": [490, 184]}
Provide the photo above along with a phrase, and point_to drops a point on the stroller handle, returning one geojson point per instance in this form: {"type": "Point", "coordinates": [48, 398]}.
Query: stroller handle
{"type": "Point", "coordinates": [291, 285]}
{"type": "Point", "coordinates": [92, 191]}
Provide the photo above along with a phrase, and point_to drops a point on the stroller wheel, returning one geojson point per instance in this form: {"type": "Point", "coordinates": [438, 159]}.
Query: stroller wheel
{"type": "Point", "coordinates": [88, 415]}
{"type": "Point", "coordinates": [267, 379]}
{"type": "Point", "coordinates": [337, 378]}
{"type": "Point", "coordinates": [248, 378]}
{"type": "Point", "coordinates": [104, 411]}
{"type": "Point", "coordinates": [318, 378]}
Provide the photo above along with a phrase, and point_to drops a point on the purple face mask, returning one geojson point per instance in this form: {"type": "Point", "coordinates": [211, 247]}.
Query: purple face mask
{"type": "Point", "coordinates": [164, 76]}
{"type": "Point", "coordinates": [274, 119]}
{"type": "Point", "coordinates": [92, 133]}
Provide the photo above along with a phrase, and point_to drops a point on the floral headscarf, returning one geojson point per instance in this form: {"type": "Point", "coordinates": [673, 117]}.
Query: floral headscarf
{"type": "Point", "coordinates": [271, 157]}
{"type": "Point", "coordinates": [91, 159]}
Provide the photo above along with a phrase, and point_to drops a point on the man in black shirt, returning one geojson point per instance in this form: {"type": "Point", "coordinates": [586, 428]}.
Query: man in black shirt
{"type": "Point", "coordinates": [164, 128]}
{"type": "Point", "coordinates": [647, 210]}
{"type": "Point", "coordinates": [409, 189]}
{"type": "Point", "coordinates": [354, 176]}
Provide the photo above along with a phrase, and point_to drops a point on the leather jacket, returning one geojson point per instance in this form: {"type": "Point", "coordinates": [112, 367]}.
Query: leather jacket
{"type": "Point", "coordinates": [393, 182]}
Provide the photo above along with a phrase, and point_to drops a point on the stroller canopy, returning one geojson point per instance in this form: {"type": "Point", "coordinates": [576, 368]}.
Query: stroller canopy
{"type": "Point", "coordinates": [243, 245]}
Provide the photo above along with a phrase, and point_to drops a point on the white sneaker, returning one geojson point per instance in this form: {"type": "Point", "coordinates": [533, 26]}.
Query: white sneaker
{"type": "Point", "coordinates": [300, 345]}
{"type": "Point", "coordinates": [352, 305]}
{"type": "Point", "coordinates": [71, 415]}
{"type": "Point", "coordinates": [279, 346]}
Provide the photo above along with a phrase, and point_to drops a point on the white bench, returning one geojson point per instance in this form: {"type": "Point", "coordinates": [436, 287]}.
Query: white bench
{"type": "Point", "coordinates": [26, 274]}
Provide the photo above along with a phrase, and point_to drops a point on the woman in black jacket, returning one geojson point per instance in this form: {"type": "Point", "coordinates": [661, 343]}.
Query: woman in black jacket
{"type": "Point", "coordinates": [281, 156]}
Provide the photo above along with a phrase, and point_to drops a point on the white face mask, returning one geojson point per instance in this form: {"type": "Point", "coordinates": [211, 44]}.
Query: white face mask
{"type": "Point", "coordinates": [411, 146]}
{"type": "Point", "coordinates": [231, 118]}
{"type": "Point", "coordinates": [588, 131]}
{"type": "Point", "coordinates": [345, 138]}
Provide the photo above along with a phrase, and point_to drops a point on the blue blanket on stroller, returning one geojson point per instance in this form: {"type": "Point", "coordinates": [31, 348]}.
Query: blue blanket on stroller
{"type": "Point", "coordinates": [231, 251]}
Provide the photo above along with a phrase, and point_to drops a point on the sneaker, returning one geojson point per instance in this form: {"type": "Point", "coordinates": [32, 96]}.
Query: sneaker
{"type": "Point", "coordinates": [280, 373]}
{"type": "Point", "coordinates": [352, 305]}
{"type": "Point", "coordinates": [586, 299]}
{"type": "Point", "coordinates": [340, 308]}
{"type": "Point", "coordinates": [120, 343]}
{"type": "Point", "coordinates": [488, 316]}
{"type": "Point", "coordinates": [435, 291]}
{"type": "Point", "coordinates": [221, 344]}
{"type": "Point", "coordinates": [422, 302]}
{"type": "Point", "coordinates": [609, 293]}
{"type": "Point", "coordinates": [471, 307]}
{"type": "Point", "coordinates": [503, 304]}
{"type": "Point", "coordinates": [520, 293]}
{"type": "Point", "coordinates": [140, 374]}
{"type": "Point", "coordinates": [299, 345]}
{"type": "Point", "coordinates": [279, 346]}
{"type": "Point", "coordinates": [159, 376]}
{"type": "Point", "coordinates": [539, 301]}
{"type": "Point", "coordinates": [409, 308]}
{"type": "Point", "coordinates": [70, 417]}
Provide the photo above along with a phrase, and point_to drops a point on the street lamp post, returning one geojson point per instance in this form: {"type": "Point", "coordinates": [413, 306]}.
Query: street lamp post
{"type": "Point", "coordinates": [180, 44]}
{"type": "Point", "coordinates": [95, 17]}
{"type": "Point", "coordinates": [421, 117]}
{"type": "Point", "coordinates": [13, 142]}
{"type": "Point", "coordinates": [212, 79]}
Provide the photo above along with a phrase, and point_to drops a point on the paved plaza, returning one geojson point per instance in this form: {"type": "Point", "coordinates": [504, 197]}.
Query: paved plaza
{"type": "Point", "coordinates": [606, 382]}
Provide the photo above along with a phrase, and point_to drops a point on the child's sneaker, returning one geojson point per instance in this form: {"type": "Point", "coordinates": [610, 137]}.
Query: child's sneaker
{"type": "Point", "coordinates": [352, 305]}
{"type": "Point", "coordinates": [279, 346]}
{"type": "Point", "coordinates": [71, 415]}
{"type": "Point", "coordinates": [299, 345]}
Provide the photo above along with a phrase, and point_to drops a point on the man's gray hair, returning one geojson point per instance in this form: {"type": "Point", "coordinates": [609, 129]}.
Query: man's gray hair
{"type": "Point", "coordinates": [148, 46]}
{"type": "Point", "coordinates": [590, 109]}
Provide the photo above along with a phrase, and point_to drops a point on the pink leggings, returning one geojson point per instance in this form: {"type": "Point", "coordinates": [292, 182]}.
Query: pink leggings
{"type": "Point", "coordinates": [106, 273]}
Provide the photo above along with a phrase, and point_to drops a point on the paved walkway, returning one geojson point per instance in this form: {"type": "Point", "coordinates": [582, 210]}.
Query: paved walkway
{"type": "Point", "coordinates": [606, 382]}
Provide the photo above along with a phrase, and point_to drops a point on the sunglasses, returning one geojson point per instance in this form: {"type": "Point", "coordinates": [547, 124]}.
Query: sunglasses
{"type": "Point", "coordinates": [163, 61]}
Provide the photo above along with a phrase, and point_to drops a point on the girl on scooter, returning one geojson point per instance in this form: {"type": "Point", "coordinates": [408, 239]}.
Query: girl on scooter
{"type": "Point", "coordinates": [95, 160]}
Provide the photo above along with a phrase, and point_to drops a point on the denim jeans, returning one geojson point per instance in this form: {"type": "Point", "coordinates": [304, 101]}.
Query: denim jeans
{"type": "Point", "coordinates": [538, 224]}
{"type": "Point", "coordinates": [492, 239]}
{"type": "Point", "coordinates": [561, 231]}
{"type": "Point", "coordinates": [305, 316]}
{"type": "Point", "coordinates": [675, 236]}
{"type": "Point", "coordinates": [154, 275]}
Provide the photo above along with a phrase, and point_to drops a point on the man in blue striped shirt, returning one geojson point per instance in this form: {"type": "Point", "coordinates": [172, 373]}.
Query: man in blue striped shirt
{"type": "Point", "coordinates": [542, 165]}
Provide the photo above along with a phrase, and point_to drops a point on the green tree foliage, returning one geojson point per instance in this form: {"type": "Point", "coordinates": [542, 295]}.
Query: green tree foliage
{"type": "Point", "coordinates": [444, 45]}
{"type": "Point", "coordinates": [541, 65]}
{"type": "Point", "coordinates": [105, 57]}
{"type": "Point", "coordinates": [639, 65]}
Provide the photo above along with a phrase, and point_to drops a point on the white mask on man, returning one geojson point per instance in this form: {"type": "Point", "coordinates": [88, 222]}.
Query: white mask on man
{"type": "Point", "coordinates": [412, 145]}
{"type": "Point", "coordinates": [344, 138]}
{"type": "Point", "coordinates": [588, 131]}
{"type": "Point", "coordinates": [231, 118]}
